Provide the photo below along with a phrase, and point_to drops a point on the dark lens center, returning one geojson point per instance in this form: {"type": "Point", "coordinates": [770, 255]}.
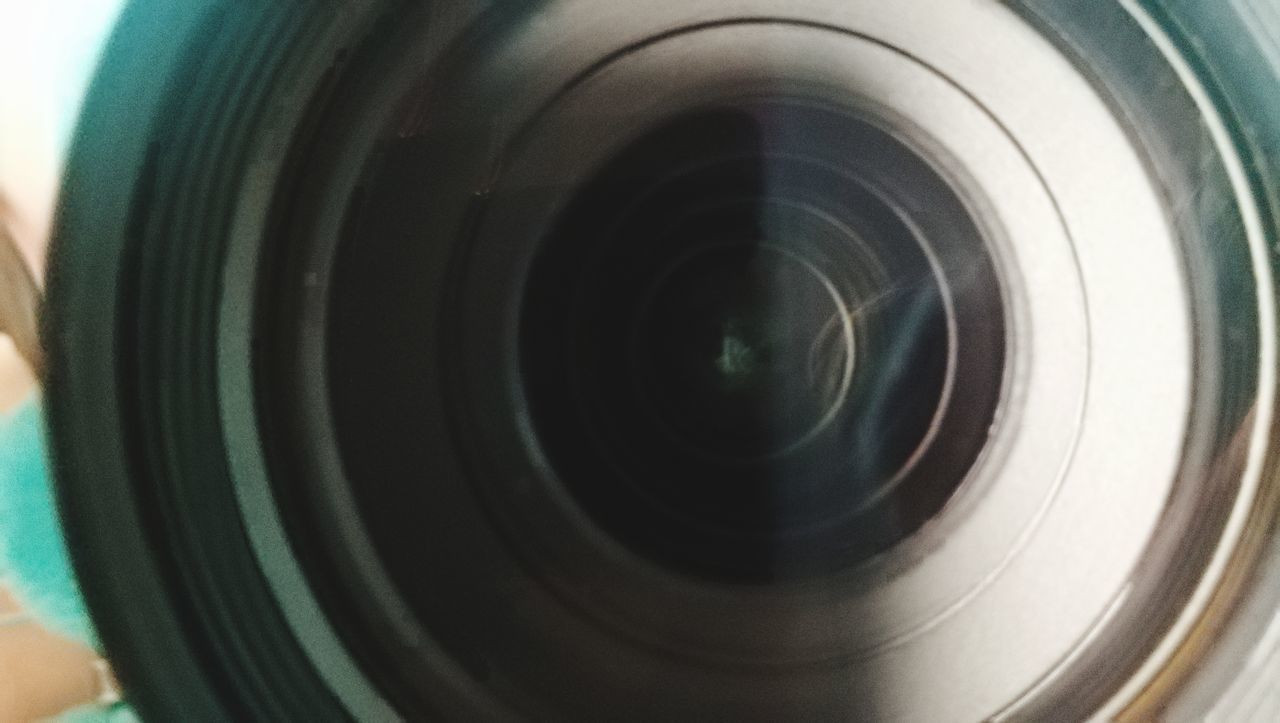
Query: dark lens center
{"type": "Point", "coordinates": [746, 349]}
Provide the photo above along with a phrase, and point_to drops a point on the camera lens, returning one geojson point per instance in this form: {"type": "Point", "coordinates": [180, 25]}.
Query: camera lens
{"type": "Point", "coordinates": [700, 360]}
{"type": "Point", "coordinates": [739, 342]}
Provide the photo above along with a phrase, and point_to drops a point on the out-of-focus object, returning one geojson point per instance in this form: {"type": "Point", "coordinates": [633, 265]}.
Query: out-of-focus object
{"type": "Point", "coordinates": [41, 616]}
{"type": "Point", "coordinates": [19, 297]}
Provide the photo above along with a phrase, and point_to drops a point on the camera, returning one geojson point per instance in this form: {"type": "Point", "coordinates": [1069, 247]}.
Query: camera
{"type": "Point", "coordinates": [698, 360]}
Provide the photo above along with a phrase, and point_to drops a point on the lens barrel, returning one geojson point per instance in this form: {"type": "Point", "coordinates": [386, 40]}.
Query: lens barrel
{"type": "Point", "coordinates": [714, 359]}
